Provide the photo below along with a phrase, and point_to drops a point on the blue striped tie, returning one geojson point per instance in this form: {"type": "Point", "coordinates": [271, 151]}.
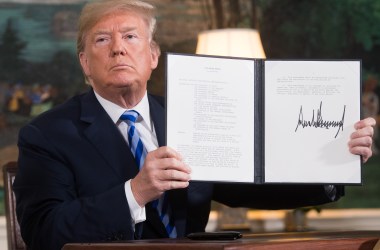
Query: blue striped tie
{"type": "Point", "coordinates": [139, 152]}
{"type": "Point", "coordinates": [137, 147]}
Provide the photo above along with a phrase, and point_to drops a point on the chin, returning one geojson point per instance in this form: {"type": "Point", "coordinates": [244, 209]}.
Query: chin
{"type": "Point", "coordinates": [130, 85]}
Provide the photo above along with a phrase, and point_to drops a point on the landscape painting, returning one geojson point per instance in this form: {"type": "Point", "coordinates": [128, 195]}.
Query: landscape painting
{"type": "Point", "coordinates": [38, 63]}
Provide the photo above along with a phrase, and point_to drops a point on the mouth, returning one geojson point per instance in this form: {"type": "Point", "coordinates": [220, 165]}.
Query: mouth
{"type": "Point", "coordinates": [121, 66]}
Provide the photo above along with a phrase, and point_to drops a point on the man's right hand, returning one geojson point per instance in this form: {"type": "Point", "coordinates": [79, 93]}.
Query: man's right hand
{"type": "Point", "coordinates": [163, 170]}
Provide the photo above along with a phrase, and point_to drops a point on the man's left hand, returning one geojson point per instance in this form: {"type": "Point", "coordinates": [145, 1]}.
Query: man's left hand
{"type": "Point", "coordinates": [361, 140]}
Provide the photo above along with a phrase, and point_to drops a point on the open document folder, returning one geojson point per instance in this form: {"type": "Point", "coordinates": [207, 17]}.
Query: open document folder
{"type": "Point", "coordinates": [264, 121]}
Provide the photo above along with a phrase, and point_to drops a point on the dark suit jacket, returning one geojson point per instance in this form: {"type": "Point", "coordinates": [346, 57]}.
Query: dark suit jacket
{"type": "Point", "coordinates": [73, 164]}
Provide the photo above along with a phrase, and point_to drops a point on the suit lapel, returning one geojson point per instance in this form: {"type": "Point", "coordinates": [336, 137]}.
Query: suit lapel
{"type": "Point", "coordinates": [106, 137]}
{"type": "Point", "coordinates": [157, 114]}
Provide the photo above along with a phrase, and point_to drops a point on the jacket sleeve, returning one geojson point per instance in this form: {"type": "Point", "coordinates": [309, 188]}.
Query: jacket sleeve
{"type": "Point", "coordinates": [50, 208]}
{"type": "Point", "coordinates": [275, 196]}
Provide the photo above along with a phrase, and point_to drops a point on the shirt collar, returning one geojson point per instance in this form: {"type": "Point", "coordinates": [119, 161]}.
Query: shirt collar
{"type": "Point", "coordinates": [115, 111]}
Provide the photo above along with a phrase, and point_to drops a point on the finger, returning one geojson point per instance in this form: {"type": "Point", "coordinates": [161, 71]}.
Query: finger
{"type": "Point", "coordinates": [163, 184]}
{"type": "Point", "coordinates": [176, 185]}
{"type": "Point", "coordinates": [155, 166]}
{"type": "Point", "coordinates": [174, 175]}
{"type": "Point", "coordinates": [166, 152]}
{"type": "Point", "coordinates": [365, 123]}
{"type": "Point", "coordinates": [170, 179]}
{"type": "Point", "coordinates": [365, 141]}
{"type": "Point", "coordinates": [174, 164]}
{"type": "Point", "coordinates": [363, 132]}
{"type": "Point", "coordinates": [361, 146]}
{"type": "Point", "coordinates": [365, 152]}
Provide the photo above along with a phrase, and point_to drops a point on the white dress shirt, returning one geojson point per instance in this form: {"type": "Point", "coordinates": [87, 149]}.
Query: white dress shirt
{"type": "Point", "coordinates": [145, 128]}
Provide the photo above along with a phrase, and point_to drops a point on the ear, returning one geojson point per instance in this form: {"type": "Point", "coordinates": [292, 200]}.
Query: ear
{"type": "Point", "coordinates": [155, 55]}
{"type": "Point", "coordinates": [84, 63]}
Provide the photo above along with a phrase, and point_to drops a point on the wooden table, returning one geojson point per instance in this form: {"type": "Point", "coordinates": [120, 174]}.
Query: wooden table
{"type": "Point", "coordinates": [344, 240]}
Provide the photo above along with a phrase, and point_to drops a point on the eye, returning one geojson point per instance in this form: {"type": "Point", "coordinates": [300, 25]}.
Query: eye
{"type": "Point", "coordinates": [101, 40]}
{"type": "Point", "coordinates": [130, 37]}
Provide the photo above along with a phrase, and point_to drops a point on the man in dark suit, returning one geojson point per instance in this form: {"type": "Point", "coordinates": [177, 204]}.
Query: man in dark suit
{"type": "Point", "coordinates": [78, 179]}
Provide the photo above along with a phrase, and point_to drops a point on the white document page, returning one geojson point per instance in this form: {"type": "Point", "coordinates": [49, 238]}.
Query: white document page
{"type": "Point", "coordinates": [310, 111]}
{"type": "Point", "coordinates": [210, 116]}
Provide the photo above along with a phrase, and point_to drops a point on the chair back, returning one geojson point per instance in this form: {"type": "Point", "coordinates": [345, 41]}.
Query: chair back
{"type": "Point", "coordinates": [15, 241]}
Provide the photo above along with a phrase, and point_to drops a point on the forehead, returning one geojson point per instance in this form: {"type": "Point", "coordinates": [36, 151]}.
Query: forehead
{"type": "Point", "coordinates": [120, 20]}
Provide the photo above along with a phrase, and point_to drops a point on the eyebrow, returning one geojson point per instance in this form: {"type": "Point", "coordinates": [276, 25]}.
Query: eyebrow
{"type": "Point", "coordinates": [122, 30]}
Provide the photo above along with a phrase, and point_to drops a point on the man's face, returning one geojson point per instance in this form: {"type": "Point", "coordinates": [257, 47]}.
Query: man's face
{"type": "Point", "coordinates": [118, 54]}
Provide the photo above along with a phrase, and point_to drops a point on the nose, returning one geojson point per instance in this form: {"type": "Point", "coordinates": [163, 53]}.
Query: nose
{"type": "Point", "coordinates": [117, 47]}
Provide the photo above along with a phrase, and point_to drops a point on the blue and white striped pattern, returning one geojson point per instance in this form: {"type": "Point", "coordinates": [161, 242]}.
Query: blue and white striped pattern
{"type": "Point", "coordinates": [163, 208]}
{"type": "Point", "coordinates": [134, 140]}
{"type": "Point", "coordinates": [139, 152]}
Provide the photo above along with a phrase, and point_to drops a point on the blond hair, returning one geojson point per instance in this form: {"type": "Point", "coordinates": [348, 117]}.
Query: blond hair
{"type": "Point", "coordinates": [94, 11]}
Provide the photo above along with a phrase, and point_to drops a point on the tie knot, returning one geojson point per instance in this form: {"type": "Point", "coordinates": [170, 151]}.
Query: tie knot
{"type": "Point", "coordinates": [129, 116]}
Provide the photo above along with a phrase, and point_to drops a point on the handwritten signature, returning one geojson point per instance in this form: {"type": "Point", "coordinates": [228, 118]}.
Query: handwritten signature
{"type": "Point", "coordinates": [318, 122]}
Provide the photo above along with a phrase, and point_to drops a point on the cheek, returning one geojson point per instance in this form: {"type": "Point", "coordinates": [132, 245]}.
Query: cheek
{"type": "Point", "coordinates": [148, 60]}
{"type": "Point", "coordinates": [97, 63]}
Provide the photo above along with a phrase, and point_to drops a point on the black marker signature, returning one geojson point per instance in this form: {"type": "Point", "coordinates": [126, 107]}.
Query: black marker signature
{"type": "Point", "coordinates": [319, 122]}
